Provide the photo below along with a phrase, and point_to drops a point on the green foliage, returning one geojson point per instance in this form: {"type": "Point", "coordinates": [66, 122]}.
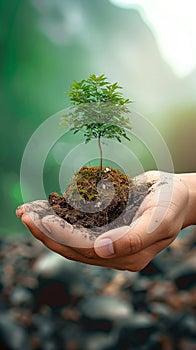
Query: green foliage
{"type": "Point", "coordinates": [96, 89]}
{"type": "Point", "coordinates": [98, 109]}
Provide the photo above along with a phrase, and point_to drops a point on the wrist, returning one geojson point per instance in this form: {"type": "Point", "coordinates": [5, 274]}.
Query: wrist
{"type": "Point", "coordinates": [189, 180]}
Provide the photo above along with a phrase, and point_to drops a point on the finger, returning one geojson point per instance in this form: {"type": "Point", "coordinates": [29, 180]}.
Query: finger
{"type": "Point", "coordinates": [84, 255]}
{"type": "Point", "coordinates": [64, 233]}
{"type": "Point", "coordinates": [160, 194]}
{"type": "Point", "coordinates": [63, 250]}
{"type": "Point", "coordinates": [135, 262]}
{"type": "Point", "coordinates": [153, 176]}
{"type": "Point", "coordinates": [149, 177]}
{"type": "Point", "coordinates": [40, 206]}
{"type": "Point", "coordinates": [55, 227]}
{"type": "Point", "coordinates": [138, 261]}
{"type": "Point", "coordinates": [129, 240]}
{"type": "Point", "coordinates": [33, 222]}
{"type": "Point", "coordinates": [165, 197]}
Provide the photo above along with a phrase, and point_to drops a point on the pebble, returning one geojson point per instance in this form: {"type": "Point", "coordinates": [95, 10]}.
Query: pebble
{"type": "Point", "coordinates": [12, 335]}
{"type": "Point", "coordinates": [184, 276]}
{"type": "Point", "coordinates": [21, 296]}
{"type": "Point", "coordinates": [50, 303]}
{"type": "Point", "coordinates": [136, 331]}
{"type": "Point", "coordinates": [105, 307]}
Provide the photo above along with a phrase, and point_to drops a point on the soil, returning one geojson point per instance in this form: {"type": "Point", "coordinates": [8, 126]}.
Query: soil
{"type": "Point", "coordinates": [99, 202]}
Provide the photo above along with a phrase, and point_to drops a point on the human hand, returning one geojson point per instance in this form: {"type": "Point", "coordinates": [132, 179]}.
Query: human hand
{"type": "Point", "coordinates": [162, 214]}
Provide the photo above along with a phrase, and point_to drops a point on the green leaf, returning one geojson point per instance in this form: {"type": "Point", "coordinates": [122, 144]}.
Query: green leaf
{"type": "Point", "coordinates": [98, 109]}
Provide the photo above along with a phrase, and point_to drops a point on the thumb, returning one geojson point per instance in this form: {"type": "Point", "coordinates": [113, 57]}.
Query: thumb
{"type": "Point", "coordinates": [127, 240]}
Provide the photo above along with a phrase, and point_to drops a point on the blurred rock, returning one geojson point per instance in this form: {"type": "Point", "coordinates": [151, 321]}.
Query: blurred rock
{"type": "Point", "coordinates": [45, 325]}
{"type": "Point", "coordinates": [136, 332]}
{"type": "Point", "coordinates": [186, 344]}
{"type": "Point", "coordinates": [60, 280]}
{"type": "Point", "coordinates": [187, 327]}
{"type": "Point", "coordinates": [139, 291]}
{"type": "Point", "coordinates": [50, 303]}
{"type": "Point", "coordinates": [153, 269]}
{"type": "Point", "coordinates": [161, 310]}
{"type": "Point", "coordinates": [108, 307]}
{"type": "Point", "coordinates": [98, 341]}
{"type": "Point", "coordinates": [51, 264]}
{"type": "Point", "coordinates": [21, 296]}
{"type": "Point", "coordinates": [13, 336]}
{"type": "Point", "coordinates": [184, 276]}
{"type": "Point", "coordinates": [102, 311]}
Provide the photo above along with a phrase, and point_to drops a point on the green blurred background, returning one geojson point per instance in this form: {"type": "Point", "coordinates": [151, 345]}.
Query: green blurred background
{"type": "Point", "coordinates": [47, 44]}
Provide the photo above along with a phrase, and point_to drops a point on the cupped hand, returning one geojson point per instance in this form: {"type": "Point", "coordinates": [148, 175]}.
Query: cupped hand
{"type": "Point", "coordinates": [156, 224]}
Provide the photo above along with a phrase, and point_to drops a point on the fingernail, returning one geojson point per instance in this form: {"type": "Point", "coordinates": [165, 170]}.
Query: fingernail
{"type": "Point", "coordinates": [105, 247]}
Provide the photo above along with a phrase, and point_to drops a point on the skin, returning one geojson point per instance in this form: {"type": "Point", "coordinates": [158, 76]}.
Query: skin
{"type": "Point", "coordinates": [169, 206]}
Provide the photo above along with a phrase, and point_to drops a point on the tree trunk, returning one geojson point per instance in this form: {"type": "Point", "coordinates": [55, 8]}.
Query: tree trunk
{"type": "Point", "coordinates": [101, 156]}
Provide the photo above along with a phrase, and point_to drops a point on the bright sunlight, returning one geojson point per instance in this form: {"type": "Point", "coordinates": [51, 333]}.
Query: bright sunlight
{"type": "Point", "coordinates": [174, 27]}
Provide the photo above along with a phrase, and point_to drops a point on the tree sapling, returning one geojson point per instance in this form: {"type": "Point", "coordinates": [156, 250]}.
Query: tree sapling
{"type": "Point", "coordinates": [99, 111]}
{"type": "Point", "coordinates": [98, 198]}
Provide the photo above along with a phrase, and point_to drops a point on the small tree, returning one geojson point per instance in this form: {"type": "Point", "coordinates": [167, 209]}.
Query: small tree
{"type": "Point", "coordinates": [99, 110]}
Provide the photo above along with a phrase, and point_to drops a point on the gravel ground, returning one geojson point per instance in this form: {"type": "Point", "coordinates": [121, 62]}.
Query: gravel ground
{"type": "Point", "coordinates": [50, 303]}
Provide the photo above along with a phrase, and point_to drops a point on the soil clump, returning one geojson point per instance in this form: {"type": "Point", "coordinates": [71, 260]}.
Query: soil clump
{"type": "Point", "coordinates": [99, 202]}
